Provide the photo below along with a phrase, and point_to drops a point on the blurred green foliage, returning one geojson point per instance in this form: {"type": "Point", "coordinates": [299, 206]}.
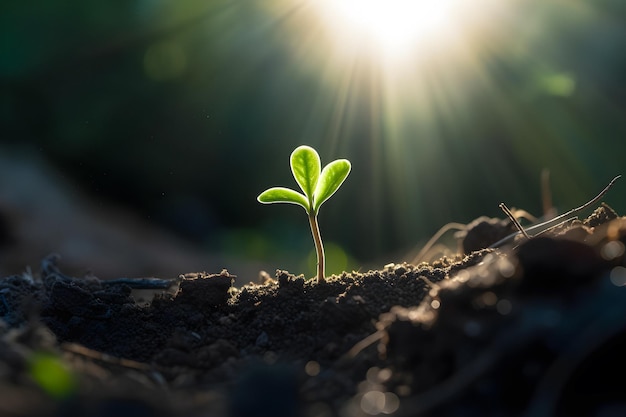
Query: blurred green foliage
{"type": "Point", "coordinates": [52, 375]}
{"type": "Point", "coordinates": [167, 107]}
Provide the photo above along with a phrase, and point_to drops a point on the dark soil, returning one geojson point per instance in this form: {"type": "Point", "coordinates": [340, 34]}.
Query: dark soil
{"type": "Point", "coordinates": [537, 328]}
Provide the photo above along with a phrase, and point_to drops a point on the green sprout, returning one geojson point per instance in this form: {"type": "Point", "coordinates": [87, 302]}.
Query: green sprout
{"type": "Point", "coordinates": [318, 186]}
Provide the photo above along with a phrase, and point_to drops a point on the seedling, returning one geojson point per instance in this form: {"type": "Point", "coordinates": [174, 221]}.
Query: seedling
{"type": "Point", "coordinates": [317, 185]}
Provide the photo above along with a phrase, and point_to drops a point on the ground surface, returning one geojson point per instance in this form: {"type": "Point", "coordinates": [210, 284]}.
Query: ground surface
{"type": "Point", "coordinates": [535, 328]}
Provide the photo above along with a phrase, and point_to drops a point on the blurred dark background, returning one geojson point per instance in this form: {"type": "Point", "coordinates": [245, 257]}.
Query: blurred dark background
{"type": "Point", "coordinates": [154, 124]}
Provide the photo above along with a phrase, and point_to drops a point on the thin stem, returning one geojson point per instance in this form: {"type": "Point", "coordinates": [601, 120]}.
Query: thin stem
{"type": "Point", "coordinates": [435, 237]}
{"type": "Point", "coordinates": [506, 211]}
{"type": "Point", "coordinates": [317, 237]}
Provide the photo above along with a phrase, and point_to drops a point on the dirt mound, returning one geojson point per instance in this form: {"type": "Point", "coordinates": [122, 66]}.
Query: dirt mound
{"type": "Point", "coordinates": [533, 329]}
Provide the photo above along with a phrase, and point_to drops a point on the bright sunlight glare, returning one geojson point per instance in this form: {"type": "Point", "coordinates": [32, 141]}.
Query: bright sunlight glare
{"type": "Point", "coordinates": [395, 26]}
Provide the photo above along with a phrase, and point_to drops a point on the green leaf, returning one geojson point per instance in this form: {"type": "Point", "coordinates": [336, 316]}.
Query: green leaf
{"type": "Point", "coordinates": [306, 166]}
{"type": "Point", "coordinates": [283, 195]}
{"type": "Point", "coordinates": [331, 178]}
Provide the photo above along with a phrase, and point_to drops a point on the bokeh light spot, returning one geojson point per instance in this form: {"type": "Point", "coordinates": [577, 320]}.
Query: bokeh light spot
{"type": "Point", "coordinates": [373, 402]}
{"type": "Point", "coordinates": [489, 298]}
{"type": "Point", "coordinates": [558, 84]}
{"type": "Point", "coordinates": [337, 259]}
{"type": "Point", "coordinates": [164, 61]}
{"type": "Point", "coordinates": [506, 268]}
{"type": "Point", "coordinates": [312, 368]}
{"type": "Point", "coordinates": [618, 276]}
{"type": "Point", "coordinates": [377, 402]}
{"type": "Point", "coordinates": [612, 250]}
{"type": "Point", "coordinates": [504, 306]}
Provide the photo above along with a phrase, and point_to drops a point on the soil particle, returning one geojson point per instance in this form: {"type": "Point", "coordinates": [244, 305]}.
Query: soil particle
{"type": "Point", "coordinates": [205, 291]}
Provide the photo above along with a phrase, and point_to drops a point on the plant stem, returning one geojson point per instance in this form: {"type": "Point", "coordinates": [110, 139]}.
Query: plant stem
{"type": "Point", "coordinates": [318, 247]}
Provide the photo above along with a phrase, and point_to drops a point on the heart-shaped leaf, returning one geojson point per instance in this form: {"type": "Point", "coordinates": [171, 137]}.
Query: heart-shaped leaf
{"type": "Point", "coordinates": [306, 165]}
{"type": "Point", "coordinates": [283, 195]}
{"type": "Point", "coordinates": [331, 178]}
{"type": "Point", "coordinates": [318, 186]}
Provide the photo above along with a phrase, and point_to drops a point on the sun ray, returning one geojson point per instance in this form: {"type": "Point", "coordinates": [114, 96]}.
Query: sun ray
{"type": "Point", "coordinates": [417, 90]}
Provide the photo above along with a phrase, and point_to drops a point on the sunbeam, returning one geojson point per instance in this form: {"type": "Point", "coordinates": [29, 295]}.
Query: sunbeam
{"type": "Point", "coordinates": [426, 95]}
